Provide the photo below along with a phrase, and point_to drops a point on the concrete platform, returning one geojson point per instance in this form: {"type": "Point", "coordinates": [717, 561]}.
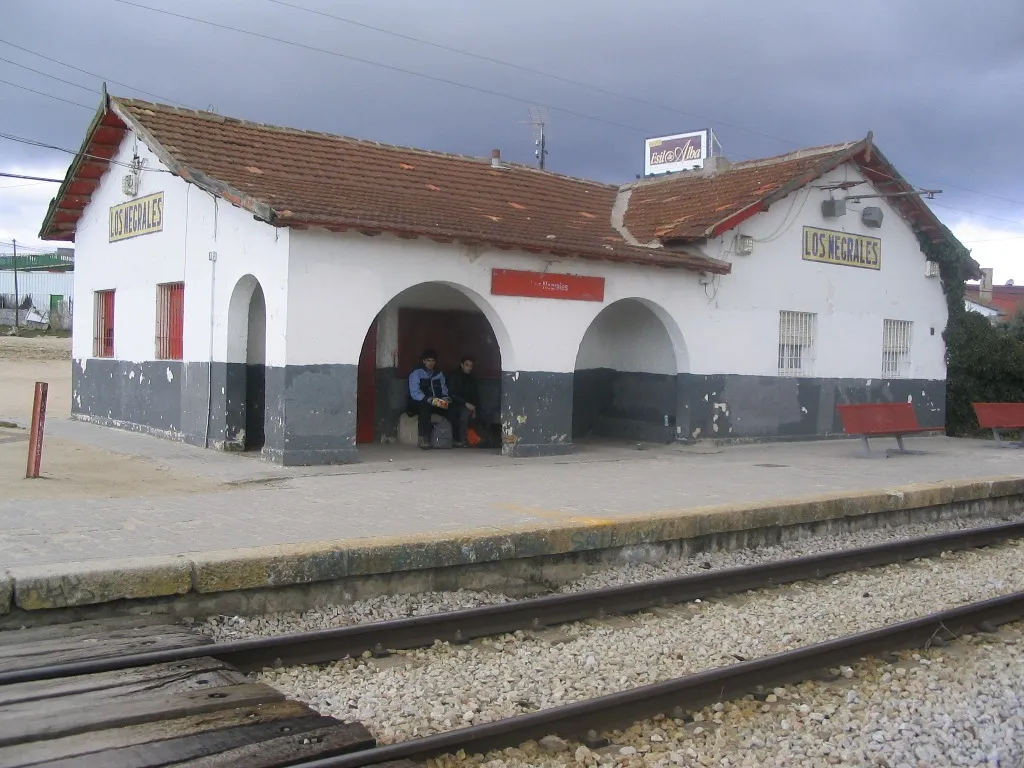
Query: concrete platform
{"type": "Point", "coordinates": [256, 537]}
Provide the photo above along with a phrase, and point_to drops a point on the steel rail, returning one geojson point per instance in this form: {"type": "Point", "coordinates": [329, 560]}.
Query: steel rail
{"type": "Point", "coordinates": [673, 697]}
{"type": "Point", "coordinates": [461, 626]}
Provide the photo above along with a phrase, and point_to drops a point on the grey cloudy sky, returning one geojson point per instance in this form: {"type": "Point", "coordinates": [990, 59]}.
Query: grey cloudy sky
{"type": "Point", "coordinates": [940, 82]}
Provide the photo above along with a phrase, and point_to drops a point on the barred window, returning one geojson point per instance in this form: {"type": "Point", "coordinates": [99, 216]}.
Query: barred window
{"type": "Point", "coordinates": [103, 324]}
{"type": "Point", "coordinates": [896, 338]}
{"type": "Point", "coordinates": [170, 321]}
{"type": "Point", "coordinates": [796, 342]}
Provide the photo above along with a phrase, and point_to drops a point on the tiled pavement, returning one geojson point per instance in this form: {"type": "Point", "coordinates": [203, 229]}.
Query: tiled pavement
{"type": "Point", "coordinates": [399, 491]}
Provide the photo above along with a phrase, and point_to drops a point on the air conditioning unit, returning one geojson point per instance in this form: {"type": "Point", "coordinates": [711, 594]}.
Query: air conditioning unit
{"type": "Point", "coordinates": [931, 269]}
{"type": "Point", "coordinates": [130, 184]}
{"type": "Point", "coordinates": [833, 209]}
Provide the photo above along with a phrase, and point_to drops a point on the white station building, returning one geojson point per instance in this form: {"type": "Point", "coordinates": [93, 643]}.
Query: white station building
{"type": "Point", "coordinates": [245, 286]}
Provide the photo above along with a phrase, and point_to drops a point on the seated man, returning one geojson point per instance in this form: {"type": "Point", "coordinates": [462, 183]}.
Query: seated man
{"type": "Point", "coordinates": [428, 395]}
{"type": "Point", "coordinates": [465, 399]}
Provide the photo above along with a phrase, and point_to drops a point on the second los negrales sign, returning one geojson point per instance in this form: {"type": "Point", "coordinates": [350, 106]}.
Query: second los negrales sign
{"type": "Point", "coordinates": [831, 247]}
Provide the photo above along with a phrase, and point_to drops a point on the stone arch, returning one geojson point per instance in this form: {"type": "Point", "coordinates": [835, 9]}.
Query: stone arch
{"type": "Point", "coordinates": [625, 382]}
{"type": "Point", "coordinates": [441, 314]}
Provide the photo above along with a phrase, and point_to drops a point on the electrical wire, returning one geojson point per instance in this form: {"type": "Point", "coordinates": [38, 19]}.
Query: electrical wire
{"type": "Point", "coordinates": [39, 179]}
{"type": "Point", "coordinates": [52, 77]}
{"type": "Point", "coordinates": [47, 95]}
{"type": "Point", "coordinates": [91, 74]}
{"type": "Point", "coordinates": [34, 143]}
{"type": "Point", "coordinates": [390, 67]}
{"type": "Point", "coordinates": [530, 70]}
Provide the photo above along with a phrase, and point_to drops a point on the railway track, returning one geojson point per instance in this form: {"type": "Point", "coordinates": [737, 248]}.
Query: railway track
{"type": "Point", "coordinates": [533, 614]}
{"type": "Point", "coordinates": [585, 720]}
{"type": "Point", "coordinates": [98, 683]}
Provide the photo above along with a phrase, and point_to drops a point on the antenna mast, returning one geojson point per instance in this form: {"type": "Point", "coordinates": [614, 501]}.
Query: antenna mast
{"type": "Point", "coordinates": [539, 121]}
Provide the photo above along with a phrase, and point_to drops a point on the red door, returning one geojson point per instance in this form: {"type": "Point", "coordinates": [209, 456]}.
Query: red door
{"type": "Point", "coordinates": [366, 383]}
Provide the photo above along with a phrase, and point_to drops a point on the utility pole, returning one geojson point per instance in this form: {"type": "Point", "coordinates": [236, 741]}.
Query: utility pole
{"type": "Point", "coordinates": [17, 303]}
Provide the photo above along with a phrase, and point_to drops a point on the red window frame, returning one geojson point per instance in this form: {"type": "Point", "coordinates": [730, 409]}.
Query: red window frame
{"type": "Point", "coordinates": [170, 321]}
{"type": "Point", "coordinates": [103, 325]}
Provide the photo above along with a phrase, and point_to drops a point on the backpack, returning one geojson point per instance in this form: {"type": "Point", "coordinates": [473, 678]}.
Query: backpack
{"type": "Point", "coordinates": [441, 434]}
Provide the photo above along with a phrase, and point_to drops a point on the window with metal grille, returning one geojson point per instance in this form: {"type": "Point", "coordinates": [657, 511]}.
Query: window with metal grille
{"type": "Point", "coordinates": [796, 343]}
{"type": "Point", "coordinates": [896, 338]}
{"type": "Point", "coordinates": [103, 324]}
{"type": "Point", "coordinates": [170, 321]}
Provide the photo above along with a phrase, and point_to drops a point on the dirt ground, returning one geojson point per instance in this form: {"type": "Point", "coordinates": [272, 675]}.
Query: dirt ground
{"type": "Point", "coordinates": [70, 469]}
{"type": "Point", "coordinates": [23, 362]}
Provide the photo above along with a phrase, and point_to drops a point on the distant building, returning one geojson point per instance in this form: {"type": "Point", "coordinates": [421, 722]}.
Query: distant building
{"type": "Point", "coordinates": [274, 288]}
{"type": "Point", "coordinates": [60, 260]}
{"type": "Point", "coordinates": [1005, 299]}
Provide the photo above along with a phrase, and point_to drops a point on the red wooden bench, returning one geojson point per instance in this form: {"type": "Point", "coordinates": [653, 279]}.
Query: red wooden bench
{"type": "Point", "coordinates": [880, 420]}
{"type": "Point", "coordinates": [1000, 416]}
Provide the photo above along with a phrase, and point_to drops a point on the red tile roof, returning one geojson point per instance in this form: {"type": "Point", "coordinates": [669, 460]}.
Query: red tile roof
{"type": "Point", "coordinates": [294, 178]}
{"type": "Point", "coordinates": [688, 205]}
{"type": "Point", "coordinates": [302, 179]}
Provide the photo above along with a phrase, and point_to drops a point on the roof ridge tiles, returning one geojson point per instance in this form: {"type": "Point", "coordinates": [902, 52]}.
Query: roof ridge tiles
{"type": "Point", "coordinates": [291, 130]}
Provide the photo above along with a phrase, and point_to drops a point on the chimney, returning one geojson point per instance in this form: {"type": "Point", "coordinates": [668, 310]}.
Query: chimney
{"type": "Point", "coordinates": [985, 289]}
{"type": "Point", "coordinates": [495, 158]}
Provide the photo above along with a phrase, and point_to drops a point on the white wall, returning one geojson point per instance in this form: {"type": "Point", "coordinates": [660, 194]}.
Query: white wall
{"type": "Point", "coordinates": [194, 225]}
{"type": "Point", "coordinates": [627, 336]}
{"type": "Point", "coordinates": [342, 281]}
{"type": "Point", "coordinates": [851, 303]}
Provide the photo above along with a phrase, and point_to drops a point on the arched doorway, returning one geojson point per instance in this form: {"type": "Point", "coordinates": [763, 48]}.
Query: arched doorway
{"type": "Point", "coordinates": [247, 374]}
{"type": "Point", "coordinates": [625, 383]}
{"type": "Point", "coordinates": [442, 316]}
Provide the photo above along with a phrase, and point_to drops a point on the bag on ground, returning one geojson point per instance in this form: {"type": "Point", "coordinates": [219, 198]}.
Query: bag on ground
{"type": "Point", "coordinates": [441, 435]}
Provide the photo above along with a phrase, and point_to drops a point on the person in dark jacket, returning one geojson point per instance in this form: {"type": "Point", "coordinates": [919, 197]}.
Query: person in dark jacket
{"type": "Point", "coordinates": [428, 394]}
{"type": "Point", "coordinates": [465, 395]}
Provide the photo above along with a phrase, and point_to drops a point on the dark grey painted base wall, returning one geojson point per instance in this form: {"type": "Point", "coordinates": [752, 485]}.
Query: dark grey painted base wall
{"type": "Point", "coordinates": [536, 413]}
{"type": "Point", "coordinates": [309, 416]}
{"type": "Point", "coordinates": [308, 411]}
{"type": "Point", "coordinates": [625, 405]}
{"type": "Point", "coordinates": [143, 395]}
{"type": "Point", "coordinates": [726, 406]}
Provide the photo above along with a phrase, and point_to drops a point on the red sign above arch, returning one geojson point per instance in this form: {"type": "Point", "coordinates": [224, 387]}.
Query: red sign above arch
{"type": "Point", "coordinates": [546, 285]}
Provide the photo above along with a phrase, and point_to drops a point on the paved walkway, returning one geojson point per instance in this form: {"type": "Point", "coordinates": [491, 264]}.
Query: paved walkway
{"type": "Point", "coordinates": [400, 491]}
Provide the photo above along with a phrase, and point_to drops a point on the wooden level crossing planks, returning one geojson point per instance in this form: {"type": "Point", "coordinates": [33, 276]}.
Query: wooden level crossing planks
{"type": "Point", "coordinates": [43, 646]}
{"type": "Point", "coordinates": [196, 713]}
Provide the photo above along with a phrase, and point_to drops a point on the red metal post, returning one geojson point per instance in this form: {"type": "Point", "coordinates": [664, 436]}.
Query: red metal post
{"type": "Point", "coordinates": [35, 440]}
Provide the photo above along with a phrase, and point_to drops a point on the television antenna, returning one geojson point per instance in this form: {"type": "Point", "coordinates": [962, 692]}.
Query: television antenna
{"type": "Point", "coordinates": [538, 122]}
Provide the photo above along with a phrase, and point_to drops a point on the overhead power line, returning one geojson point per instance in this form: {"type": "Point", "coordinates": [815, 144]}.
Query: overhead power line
{"type": "Point", "coordinates": [47, 95]}
{"type": "Point", "coordinates": [43, 145]}
{"type": "Point", "coordinates": [52, 77]}
{"type": "Point", "coordinates": [530, 70]}
{"type": "Point", "coordinates": [571, 81]}
{"type": "Point", "coordinates": [381, 65]}
{"type": "Point", "coordinates": [30, 178]}
{"type": "Point", "coordinates": [92, 74]}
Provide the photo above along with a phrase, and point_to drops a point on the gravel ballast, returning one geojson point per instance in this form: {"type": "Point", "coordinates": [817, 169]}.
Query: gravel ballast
{"type": "Point", "coordinates": [962, 705]}
{"type": "Point", "coordinates": [387, 607]}
{"type": "Point", "coordinates": [415, 693]}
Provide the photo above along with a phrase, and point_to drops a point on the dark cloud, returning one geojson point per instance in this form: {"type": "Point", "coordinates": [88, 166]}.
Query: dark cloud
{"type": "Point", "coordinates": [938, 81]}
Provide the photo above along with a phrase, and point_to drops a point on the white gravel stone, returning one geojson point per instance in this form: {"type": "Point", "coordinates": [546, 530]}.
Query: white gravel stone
{"type": "Point", "coordinates": [977, 719]}
{"type": "Point", "coordinates": [424, 691]}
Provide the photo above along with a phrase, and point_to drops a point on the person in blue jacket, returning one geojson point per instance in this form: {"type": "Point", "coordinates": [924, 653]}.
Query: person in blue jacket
{"type": "Point", "coordinates": [428, 394]}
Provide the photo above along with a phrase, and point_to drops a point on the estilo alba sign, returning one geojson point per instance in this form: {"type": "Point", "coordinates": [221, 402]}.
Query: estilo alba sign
{"type": "Point", "coordinates": [681, 152]}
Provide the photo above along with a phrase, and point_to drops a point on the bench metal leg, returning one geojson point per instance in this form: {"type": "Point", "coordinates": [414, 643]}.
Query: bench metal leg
{"type": "Point", "coordinates": [902, 450]}
{"type": "Point", "coordinates": [866, 452]}
{"type": "Point", "coordinates": [997, 433]}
